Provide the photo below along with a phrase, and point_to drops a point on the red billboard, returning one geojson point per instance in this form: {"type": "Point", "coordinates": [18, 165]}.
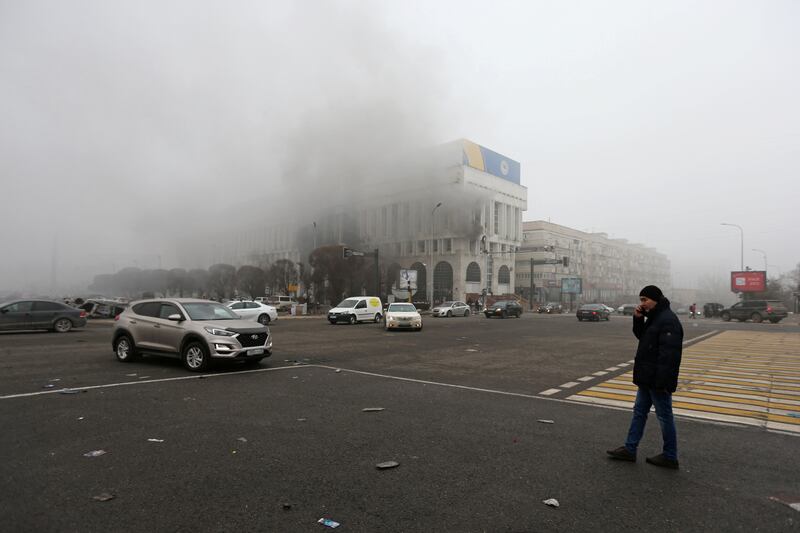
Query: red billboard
{"type": "Point", "coordinates": [749, 281]}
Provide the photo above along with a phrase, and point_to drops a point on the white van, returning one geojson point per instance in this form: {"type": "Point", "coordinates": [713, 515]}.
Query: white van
{"type": "Point", "coordinates": [357, 309]}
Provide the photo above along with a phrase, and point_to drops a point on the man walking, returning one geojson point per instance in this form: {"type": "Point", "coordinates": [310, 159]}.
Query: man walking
{"type": "Point", "coordinates": [655, 372]}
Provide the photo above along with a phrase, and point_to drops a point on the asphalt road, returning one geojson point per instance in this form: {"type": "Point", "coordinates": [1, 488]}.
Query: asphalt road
{"type": "Point", "coordinates": [278, 446]}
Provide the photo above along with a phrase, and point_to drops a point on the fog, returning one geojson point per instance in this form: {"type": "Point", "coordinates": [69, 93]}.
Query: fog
{"type": "Point", "coordinates": [129, 128]}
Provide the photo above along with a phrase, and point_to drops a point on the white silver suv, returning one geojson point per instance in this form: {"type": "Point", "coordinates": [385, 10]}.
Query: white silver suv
{"type": "Point", "coordinates": [197, 331]}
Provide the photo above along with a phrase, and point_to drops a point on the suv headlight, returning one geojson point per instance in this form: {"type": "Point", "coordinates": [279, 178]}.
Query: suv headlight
{"type": "Point", "coordinates": [219, 332]}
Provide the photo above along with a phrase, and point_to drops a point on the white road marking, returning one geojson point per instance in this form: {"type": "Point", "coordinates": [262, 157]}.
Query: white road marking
{"type": "Point", "coordinates": [612, 369]}
{"type": "Point", "coordinates": [548, 392]}
{"type": "Point", "coordinates": [600, 373]}
{"type": "Point", "coordinates": [585, 378]}
{"type": "Point", "coordinates": [126, 383]}
{"type": "Point", "coordinates": [569, 385]}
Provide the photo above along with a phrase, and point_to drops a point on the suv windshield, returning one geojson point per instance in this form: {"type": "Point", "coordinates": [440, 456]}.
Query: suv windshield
{"type": "Point", "coordinates": [350, 302]}
{"type": "Point", "coordinates": [209, 311]}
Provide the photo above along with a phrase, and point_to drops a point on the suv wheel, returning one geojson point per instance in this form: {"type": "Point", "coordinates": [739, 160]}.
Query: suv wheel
{"type": "Point", "coordinates": [62, 325]}
{"type": "Point", "coordinates": [377, 317]}
{"type": "Point", "coordinates": [757, 318]}
{"type": "Point", "coordinates": [263, 319]}
{"type": "Point", "coordinates": [352, 319]}
{"type": "Point", "coordinates": [195, 356]}
{"type": "Point", "coordinates": [124, 349]}
{"type": "Point", "coordinates": [726, 317]}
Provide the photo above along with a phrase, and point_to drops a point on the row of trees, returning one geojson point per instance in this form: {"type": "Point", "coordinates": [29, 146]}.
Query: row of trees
{"type": "Point", "coordinates": [327, 272]}
{"type": "Point", "coordinates": [220, 281]}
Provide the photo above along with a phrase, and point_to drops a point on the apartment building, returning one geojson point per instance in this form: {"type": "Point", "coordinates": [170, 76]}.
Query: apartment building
{"type": "Point", "coordinates": [612, 271]}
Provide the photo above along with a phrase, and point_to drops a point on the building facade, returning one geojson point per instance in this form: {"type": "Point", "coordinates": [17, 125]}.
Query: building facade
{"type": "Point", "coordinates": [455, 219]}
{"type": "Point", "coordinates": [611, 271]}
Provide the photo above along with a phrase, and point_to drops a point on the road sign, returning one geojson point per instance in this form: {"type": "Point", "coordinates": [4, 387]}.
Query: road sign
{"type": "Point", "coordinates": [349, 252]}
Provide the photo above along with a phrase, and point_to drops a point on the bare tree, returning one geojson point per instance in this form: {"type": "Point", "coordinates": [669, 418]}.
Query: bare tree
{"type": "Point", "coordinates": [250, 280]}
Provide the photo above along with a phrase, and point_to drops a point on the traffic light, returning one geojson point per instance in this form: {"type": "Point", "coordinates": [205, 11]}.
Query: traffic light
{"type": "Point", "coordinates": [565, 261]}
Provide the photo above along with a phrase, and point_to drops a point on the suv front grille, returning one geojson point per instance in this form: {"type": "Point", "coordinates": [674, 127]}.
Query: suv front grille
{"type": "Point", "coordinates": [247, 340]}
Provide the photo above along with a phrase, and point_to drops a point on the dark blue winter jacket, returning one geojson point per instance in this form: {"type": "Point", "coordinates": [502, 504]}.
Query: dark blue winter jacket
{"type": "Point", "coordinates": [658, 357]}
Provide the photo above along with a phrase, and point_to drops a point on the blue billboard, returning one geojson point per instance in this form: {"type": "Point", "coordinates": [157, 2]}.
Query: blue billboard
{"type": "Point", "coordinates": [481, 158]}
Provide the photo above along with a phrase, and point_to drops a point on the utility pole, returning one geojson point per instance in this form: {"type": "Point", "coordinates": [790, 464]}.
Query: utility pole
{"type": "Point", "coordinates": [533, 286]}
{"type": "Point", "coordinates": [377, 275]}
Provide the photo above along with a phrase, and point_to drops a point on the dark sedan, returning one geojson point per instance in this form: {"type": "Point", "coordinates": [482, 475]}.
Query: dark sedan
{"type": "Point", "coordinates": [594, 312]}
{"type": "Point", "coordinates": [40, 314]}
{"type": "Point", "coordinates": [503, 309]}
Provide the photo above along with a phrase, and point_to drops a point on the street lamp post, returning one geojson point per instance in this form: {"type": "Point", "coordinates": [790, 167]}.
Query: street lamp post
{"type": "Point", "coordinates": [741, 241]}
{"type": "Point", "coordinates": [762, 252]}
{"type": "Point", "coordinates": [430, 282]}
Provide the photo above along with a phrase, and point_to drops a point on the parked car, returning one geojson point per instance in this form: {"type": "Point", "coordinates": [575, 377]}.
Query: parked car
{"type": "Point", "coordinates": [503, 309]}
{"type": "Point", "coordinates": [282, 303]}
{"type": "Point", "coordinates": [197, 331]}
{"type": "Point", "coordinates": [357, 309]}
{"type": "Point", "coordinates": [610, 309]}
{"type": "Point", "coordinates": [551, 308]}
{"type": "Point", "coordinates": [711, 310]}
{"type": "Point", "coordinates": [40, 314]}
{"type": "Point", "coordinates": [627, 309]}
{"type": "Point", "coordinates": [253, 310]}
{"type": "Point", "coordinates": [756, 310]}
{"type": "Point", "coordinates": [402, 316]}
{"type": "Point", "coordinates": [594, 312]}
{"type": "Point", "coordinates": [449, 309]}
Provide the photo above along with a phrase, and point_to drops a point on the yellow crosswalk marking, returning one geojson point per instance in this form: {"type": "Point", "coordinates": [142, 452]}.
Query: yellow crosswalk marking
{"type": "Point", "coordinates": [740, 376]}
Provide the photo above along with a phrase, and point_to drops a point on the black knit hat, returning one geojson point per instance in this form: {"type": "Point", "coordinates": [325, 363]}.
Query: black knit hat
{"type": "Point", "coordinates": [652, 292]}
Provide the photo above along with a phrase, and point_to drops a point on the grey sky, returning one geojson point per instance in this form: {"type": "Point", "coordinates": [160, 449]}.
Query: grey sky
{"type": "Point", "coordinates": [652, 122]}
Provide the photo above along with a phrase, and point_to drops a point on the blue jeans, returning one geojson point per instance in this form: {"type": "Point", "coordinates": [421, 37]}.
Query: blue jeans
{"type": "Point", "coordinates": [662, 401]}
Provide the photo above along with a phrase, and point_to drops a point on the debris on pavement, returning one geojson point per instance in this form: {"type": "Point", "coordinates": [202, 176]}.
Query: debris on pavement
{"type": "Point", "coordinates": [104, 497]}
{"type": "Point", "coordinates": [338, 370]}
{"type": "Point", "coordinates": [48, 386]}
{"type": "Point", "coordinates": [327, 522]}
{"type": "Point", "coordinates": [545, 421]}
{"type": "Point", "coordinates": [71, 391]}
{"type": "Point", "coordinates": [242, 439]}
{"type": "Point", "coordinates": [552, 502]}
{"type": "Point", "coordinates": [471, 350]}
{"type": "Point", "coordinates": [372, 409]}
{"type": "Point", "coordinates": [80, 418]}
{"type": "Point", "coordinates": [94, 453]}
{"type": "Point", "coordinates": [155, 440]}
{"type": "Point", "coordinates": [131, 375]}
{"type": "Point", "coordinates": [302, 419]}
{"type": "Point", "coordinates": [286, 506]}
{"type": "Point", "coordinates": [387, 464]}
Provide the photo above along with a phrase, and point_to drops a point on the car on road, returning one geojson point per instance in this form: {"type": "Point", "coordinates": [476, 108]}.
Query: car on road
{"type": "Point", "coordinates": [357, 309]}
{"type": "Point", "coordinates": [503, 309]}
{"type": "Point", "coordinates": [712, 309]}
{"type": "Point", "coordinates": [551, 308]}
{"type": "Point", "coordinates": [756, 310]}
{"type": "Point", "coordinates": [595, 312]}
{"type": "Point", "coordinates": [627, 309]}
{"type": "Point", "coordinates": [254, 310]}
{"type": "Point", "coordinates": [40, 314]}
{"type": "Point", "coordinates": [449, 309]}
{"type": "Point", "coordinates": [196, 331]}
{"type": "Point", "coordinates": [402, 316]}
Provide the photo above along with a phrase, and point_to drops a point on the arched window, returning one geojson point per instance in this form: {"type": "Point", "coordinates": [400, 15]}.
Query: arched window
{"type": "Point", "coordinates": [504, 275]}
{"type": "Point", "coordinates": [473, 273]}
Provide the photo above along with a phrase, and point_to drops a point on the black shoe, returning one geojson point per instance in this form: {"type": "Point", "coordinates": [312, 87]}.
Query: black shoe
{"type": "Point", "coordinates": [660, 460]}
{"type": "Point", "coordinates": [622, 454]}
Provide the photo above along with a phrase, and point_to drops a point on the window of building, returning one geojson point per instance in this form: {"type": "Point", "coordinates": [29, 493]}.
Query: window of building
{"type": "Point", "coordinates": [420, 247]}
{"type": "Point", "coordinates": [497, 207]}
{"type": "Point", "coordinates": [448, 245]}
